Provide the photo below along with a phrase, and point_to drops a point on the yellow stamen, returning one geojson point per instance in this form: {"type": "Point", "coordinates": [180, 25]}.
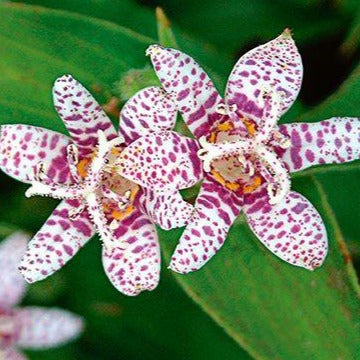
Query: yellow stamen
{"type": "Point", "coordinates": [226, 126]}
{"type": "Point", "coordinates": [250, 126]}
{"type": "Point", "coordinates": [122, 214]}
{"type": "Point", "coordinates": [256, 182]}
{"type": "Point", "coordinates": [82, 167]}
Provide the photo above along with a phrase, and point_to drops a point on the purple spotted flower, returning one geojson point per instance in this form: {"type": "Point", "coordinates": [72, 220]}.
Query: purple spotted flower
{"type": "Point", "coordinates": [98, 194]}
{"type": "Point", "coordinates": [32, 328]}
{"type": "Point", "coordinates": [247, 157]}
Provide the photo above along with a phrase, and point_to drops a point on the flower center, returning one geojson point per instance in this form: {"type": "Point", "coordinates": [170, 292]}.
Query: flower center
{"type": "Point", "coordinates": [107, 196]}
{"type": "Point", "coordinates": [242, 158]}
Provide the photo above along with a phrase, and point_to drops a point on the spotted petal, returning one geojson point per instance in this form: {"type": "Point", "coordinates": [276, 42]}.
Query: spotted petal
{"type": "Point", "coordinates": [273, 67]}
{"type": "Point", "coordinates": [81, 114]}
{"type": "Point", "coordinates": [134, 266]}
{"type": "Point", "coordinates": [293, 229]}
{"type": "Point", "coordinates": [168, 209]}
{"type": "Point", "coordinates": [216, 209]}
{"type": "Point", "coordinates": [189, 85]}
{"type": "Point", "coordinates": [22, 147]}
{"type": "Point", "coordinates": [336, 140]}
{"type": "Point", "coordinates": [46, 328]}
{"type": "Point", "coordinates": [150, 109]}
{"type": "Point", "coordinates": [56, 242]}
{"type": "Point", "coordinates": [12, 284]}
{"type": "Point", "coordinates": [161, 161]}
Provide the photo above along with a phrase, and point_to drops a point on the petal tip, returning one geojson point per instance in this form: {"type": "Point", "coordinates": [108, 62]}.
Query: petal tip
{"type": "Point", "coordinates": [29, 274]}
{"type": "Point", "coordinates": [287, 33]}
{"type": "Point", "coordinates": [178, 268]}
{"type": "Point", "coordinates": [313, 264]}
{"type": "Point", "coordinates": [64, 78]}
{"type": "Point", "coordinates": [154, 49]}
{"type": "Point", "coordinates": [138, 289]}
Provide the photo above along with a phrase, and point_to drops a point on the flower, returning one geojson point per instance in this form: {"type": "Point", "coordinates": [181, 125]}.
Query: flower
{"type": "Point", "coordinates": [29, 327]}
{"type": "Point", "coordinates": [99, 194]}
{"type": "Point", "coordinates": [247, 157]}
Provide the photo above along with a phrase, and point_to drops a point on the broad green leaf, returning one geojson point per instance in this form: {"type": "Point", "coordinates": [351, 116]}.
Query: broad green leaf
{"type": "Point", "coordinates": [37, 45]}
{"type": "Point", "coordinates": [274, 310]}
{"type": "Point", "coordinates": [352, 40]}
{"type": "Point", "coordinates": [165, 34]}
{"type": "Point", "coordinates": [141, 19]}
{"type": "Point", "coordinates": [123, 12]}
{"type": "Point", "coordinates": [228, 25]}
{"type": "Point", "coordinates": [232, 24]}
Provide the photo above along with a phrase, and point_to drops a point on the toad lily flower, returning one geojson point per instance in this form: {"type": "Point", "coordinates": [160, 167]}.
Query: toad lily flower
{"type": "Point", "coordinates": [32, 328]}
{"type": "Point", "coordinates": [100, 194]}
{"type": "Point", "coordinates": [247, 157]}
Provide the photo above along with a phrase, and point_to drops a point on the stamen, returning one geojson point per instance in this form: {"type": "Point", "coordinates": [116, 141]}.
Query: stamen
{"type": "Point", "coordinates": [127, 194]}
{"type": "Point", "coordinates": [114, 224]}
{"type": "Point", "coordinates": [247, 165]}
{"type": "Point", "coordinates": [98, 217]}
{"type": "Point", "coordinates": [282, 184]}
{"type": "Point", "coordinates": [73, 159]}
{"type": "Point", "coordinates": [282, 140]}
{"type": "Point", "coordinates": [224, 109]}
{"type": "Point", "coordinates": [230, 110]}
{"type": "Point", "coordinates": [99, 163]}
{"type": "Point", "coordinates": [271, 115]}
{"type": "Point", "coordinates": [113, 196]}
{"type": "Point", "coordinates": [210, 151]}
{"type": "Point", "coordinates": [264, 172]}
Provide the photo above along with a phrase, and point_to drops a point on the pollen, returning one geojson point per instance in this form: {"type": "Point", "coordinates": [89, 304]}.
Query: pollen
{"type": "Point", "coordinates": [250, 187]}
{"type": "Point", "coordinates": [122, 214]}
{"type": "Point", "coordinates": [250, 126]}
{"type": "Point", "coordinates": [82, 167]}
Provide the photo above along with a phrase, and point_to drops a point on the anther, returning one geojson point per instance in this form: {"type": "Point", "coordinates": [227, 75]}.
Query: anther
{"type": "Point", "coordinates": [127, 194]}
{"type": "Point", "coordinates": [224, 109]}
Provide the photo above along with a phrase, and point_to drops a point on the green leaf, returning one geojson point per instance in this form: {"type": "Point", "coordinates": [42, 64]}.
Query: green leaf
{"type": "Point", "coordinates": [141, 19]}
{"type": "Point", "coordinates": [274, 310]}
{"type": "Point", "coordinates": [134, 80]}
{"type": "Point", "coordinates": [165, 34]}
{"type": "Point", "coordinates": [232, 24]}
{"type": "Point", "coordinates": [37, 45]}
{"type": "Point", "coordinates": [352, 42]}
{"type": "Point", "coordinates": [127, 13]}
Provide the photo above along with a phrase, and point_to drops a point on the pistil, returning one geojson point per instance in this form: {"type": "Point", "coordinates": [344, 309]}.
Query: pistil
{"type": "Point", "coordinates": [254, 152]}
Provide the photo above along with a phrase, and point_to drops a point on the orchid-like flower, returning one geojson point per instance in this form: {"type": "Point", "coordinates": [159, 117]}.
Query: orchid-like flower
{"type": "Point", "coordinates": [98, 193]}
{"type": "Point", "coordinates": [32, 328]}
{"type": "Point", "coordinates": [247, 157]}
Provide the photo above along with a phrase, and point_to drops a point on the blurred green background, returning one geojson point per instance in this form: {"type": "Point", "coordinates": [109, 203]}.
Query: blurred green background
{"type": "Point", "coordinates": [245, 304]}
